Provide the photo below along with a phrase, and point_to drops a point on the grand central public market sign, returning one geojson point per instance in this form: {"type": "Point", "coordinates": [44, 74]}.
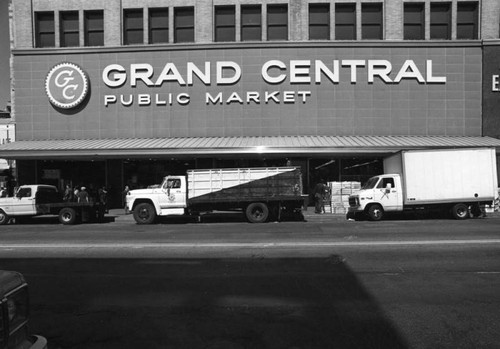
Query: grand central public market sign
{"type": "Point", "coordinates": [66, 83]}
{"type": "Point", "coordinates": [273, 72]}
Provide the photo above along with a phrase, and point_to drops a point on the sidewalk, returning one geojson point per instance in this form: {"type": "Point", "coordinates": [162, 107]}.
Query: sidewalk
{"type": "Point", "coordinates": [309, 215]}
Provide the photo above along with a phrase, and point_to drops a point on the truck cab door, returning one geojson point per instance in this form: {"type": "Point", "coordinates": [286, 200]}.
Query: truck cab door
{"type": "Point", "coordinates": [388, 193]}
{"type": "Point", "coordinates": [174, 193]}
{"type": "Point", "coordinates": [24, 202]}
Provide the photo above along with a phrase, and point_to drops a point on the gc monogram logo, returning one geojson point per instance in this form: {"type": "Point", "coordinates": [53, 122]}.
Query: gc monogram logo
{"type": "Point", "coordinates": [66, 85]}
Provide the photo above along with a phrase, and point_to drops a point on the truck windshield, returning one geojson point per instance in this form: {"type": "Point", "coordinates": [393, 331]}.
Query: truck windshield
{"type": "Point", "coordinates": [172, 183]}
{"type": "Point", "coordinates": [371, 183]}
{"type": "Point", "coordinates": [24, 193]}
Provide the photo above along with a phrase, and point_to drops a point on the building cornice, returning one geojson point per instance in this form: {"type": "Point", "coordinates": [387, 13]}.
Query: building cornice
{"type": "Point", "coordinates": [256, 45]}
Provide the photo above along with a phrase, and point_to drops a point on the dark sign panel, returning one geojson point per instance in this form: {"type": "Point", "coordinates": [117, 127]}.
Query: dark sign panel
{"type": "Point", "coordinates": [249, 92]}
{"type": "Point", "coordinates": [491, 91]}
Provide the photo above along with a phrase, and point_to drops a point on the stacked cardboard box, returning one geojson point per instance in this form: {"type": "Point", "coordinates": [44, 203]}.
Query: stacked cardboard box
{"type": "Point", "coordinates": [339, 196]}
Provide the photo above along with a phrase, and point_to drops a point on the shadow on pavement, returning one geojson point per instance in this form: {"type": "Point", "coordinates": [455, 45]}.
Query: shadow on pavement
{"type": "Point", "coordinates": [315, 303]}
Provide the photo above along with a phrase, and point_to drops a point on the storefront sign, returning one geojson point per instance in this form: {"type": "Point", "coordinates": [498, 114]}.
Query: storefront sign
{"type": "Point", "coordinates": [495, 83]}
{"type": "Point", "coordinates": [491, 90]}
{"type": "Point", "coordinates": [66, 85]}
{"type": "Point", "coordinates": [272, 72]}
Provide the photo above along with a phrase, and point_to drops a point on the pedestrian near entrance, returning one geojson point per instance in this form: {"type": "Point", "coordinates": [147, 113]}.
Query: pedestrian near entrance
{"type": "Point", "coordinates": [68, 194]}
{"type": "Point", "coordinates": [103, 197]}
{"type": "Point", "coordinates": [124, 198]}
{"type": "Point", "coordinates": [319, 195]}
{"type": "Point", "coordinates": [83, 196]}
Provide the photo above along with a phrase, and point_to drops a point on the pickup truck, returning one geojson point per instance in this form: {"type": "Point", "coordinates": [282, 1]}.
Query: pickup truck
{"type": "Point", "coordinates": [39, 199]}
{"type": "Point", "coordinates": [14, 314]}
{"type": "Point", "coordinates": [261, 193]}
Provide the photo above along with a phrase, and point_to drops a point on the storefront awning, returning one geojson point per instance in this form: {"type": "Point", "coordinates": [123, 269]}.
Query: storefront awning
{"type": "Point", "coordinates": [217, 146]}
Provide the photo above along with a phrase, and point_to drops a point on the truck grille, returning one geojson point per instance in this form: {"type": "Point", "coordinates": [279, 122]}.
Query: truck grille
{"type": "Point", "coordinates": [353, 201]}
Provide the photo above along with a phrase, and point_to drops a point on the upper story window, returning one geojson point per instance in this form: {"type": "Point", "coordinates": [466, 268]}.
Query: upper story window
{"type": "Point", "coordinates": [184, 24]}
{"type": "Point", "coordinates": [225, 23]}
{"type": "Point", "coordinates": [319, 21]}
{"type": "Point", "coordinates": [133, 27]}
{"type": "Point", "coordinates": [69, 29]}
{"type": "Point", "coordinates": [441, 20]}
{"type": "Point", "coordinates": [414, 21]}
{"type": "Point", "coordinates": [277, 22]}
{"type": "Point", "coordinates": [467, 20]}
{"type": "Point", "coordinates": [345, 21]}
{"type": "Point", "coordinates": [94, 28]}
{"type": "Point", "coordinates": [372, 21]}
{"type": "Point", "coordinates": [158, 25]}
{"type": "Point", "coordinates": [251, 23]}
{"type": "Point", "coordinates": [45, 29]}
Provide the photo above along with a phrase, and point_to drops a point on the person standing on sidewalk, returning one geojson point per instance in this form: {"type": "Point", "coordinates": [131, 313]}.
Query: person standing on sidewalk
{"type": "Point", "coordinates": [124, 198]}
{"type": "Point", "coordinates": [319, 195]}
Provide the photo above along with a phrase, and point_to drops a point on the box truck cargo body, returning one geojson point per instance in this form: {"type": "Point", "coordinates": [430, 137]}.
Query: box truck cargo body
{"type": "Point", "coordinates": [444, 179]}
{"type": "Point", "coordinates": [261, 193]}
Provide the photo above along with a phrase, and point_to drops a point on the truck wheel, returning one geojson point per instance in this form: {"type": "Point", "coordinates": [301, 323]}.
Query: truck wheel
{"type": "Point", "coordinates": [67, 216]}
{"type": "Point", "coordinates": [460, 211]}
{"type": "Point", "coordinates": [4, 218]}
{"type": "Point", "coordinates": [257, 212]}
{"type": "Point", "coordinates": [375, 212]}
{"type": "Point", "coordinates": [144, 213]}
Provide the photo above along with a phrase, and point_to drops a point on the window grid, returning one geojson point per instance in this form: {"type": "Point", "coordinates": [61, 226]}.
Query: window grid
{"type": "Point", "coordinates": [319, 21]}
{"type": "Point", "coordinates": [277, 22]}
{"type": "Point", "coordinates": [184, 24]}
{"type": "Point", "coordinates": [69, 29]}
{"type": "Point", "coordinates": [372, 21]}
{"type": "Point", "coordinates": [414, 21]}
{"type": "Point", "coordinates": [440, 22]}
{"type": "Point", "coordinates": [45, 29]}
{"type": "Point", "coordinates": [467, 20]}
{"type": "Point", "coordinates": [94, 28]}
{"type": "Point", "coordinates": [225, 23]}
{"type": "Point", "coordinates": [251, 23]}
{"type": "Point", "coordinates": [345, 21]}
{"type": "Point", "coordinates": [133, 28]}
{"type": "Point", "coordinates": [158, 25]}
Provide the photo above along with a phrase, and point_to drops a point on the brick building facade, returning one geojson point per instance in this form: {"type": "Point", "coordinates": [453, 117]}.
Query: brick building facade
{"type": "Point", "coordinates": [331, 86]}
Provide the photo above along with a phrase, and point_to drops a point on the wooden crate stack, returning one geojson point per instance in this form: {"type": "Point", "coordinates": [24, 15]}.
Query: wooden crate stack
{"type": "Point", "coordinates": [339, 198]}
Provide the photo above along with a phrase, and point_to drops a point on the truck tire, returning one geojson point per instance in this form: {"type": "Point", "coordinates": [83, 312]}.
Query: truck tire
{"type": "Point", "coordinates": [375, 212]}
{"type": "Point", "coordinates": [4, 218]}
{"type": "Point", "coordinates": [257, 212]}
{"type": "Point", "coordinates": [460, 211]}
{"type": "Point", "coordinates": [144, 213]}
{"type": "Point", "coordinates": [67, 216]}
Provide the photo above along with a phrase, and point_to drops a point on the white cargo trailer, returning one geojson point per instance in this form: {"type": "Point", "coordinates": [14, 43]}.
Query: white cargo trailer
{"type": "Point", "coordinates": [443, 179]}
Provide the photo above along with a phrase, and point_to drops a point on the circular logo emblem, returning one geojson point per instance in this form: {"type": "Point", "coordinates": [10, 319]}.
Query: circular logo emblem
{"type": "Point", "coordinates": [66, 85]}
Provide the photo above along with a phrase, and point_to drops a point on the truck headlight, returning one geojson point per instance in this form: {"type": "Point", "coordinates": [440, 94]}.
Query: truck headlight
{"type": "Point", "coordinates": [353, 201]}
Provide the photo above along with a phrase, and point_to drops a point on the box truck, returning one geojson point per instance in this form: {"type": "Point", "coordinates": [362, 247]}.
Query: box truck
{"type": "Point", "coordinates": [261, 193]}
{"type": "Point", "coordinates": [451, 180]}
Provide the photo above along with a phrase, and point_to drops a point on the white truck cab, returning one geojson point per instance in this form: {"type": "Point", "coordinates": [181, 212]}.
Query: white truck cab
{"type": "Point", "coordinates": [168, 199]}
{"type": "Point", "coordinates": [23, 203]}
{"type": "Point", "coordinates": [379, 194]}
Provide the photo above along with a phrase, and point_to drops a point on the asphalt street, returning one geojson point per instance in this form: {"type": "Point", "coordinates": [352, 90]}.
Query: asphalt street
{"type": "Point", "coordinates": [224, 283]}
